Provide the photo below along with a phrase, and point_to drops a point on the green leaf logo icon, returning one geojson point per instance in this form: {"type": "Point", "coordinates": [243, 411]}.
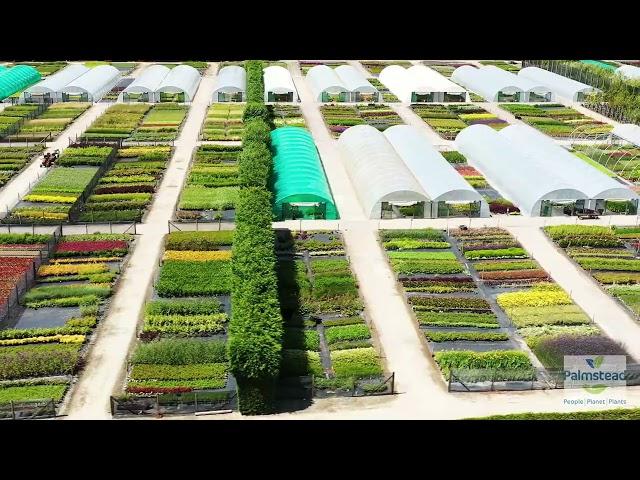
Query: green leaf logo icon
{"type": "Point", "coordinates": [598, 361]}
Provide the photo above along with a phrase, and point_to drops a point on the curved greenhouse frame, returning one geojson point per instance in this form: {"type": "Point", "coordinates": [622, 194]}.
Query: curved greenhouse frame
{"type": "Point", "coordinates": [299, 182]}
{"type": "Point", "coordinates": [148, 81]}
{"type": "Point", "coordinates": [182, 79]}
{"type": "Point", "coordinates": [51, 87]}
{"type": "Point", "coordinates": [356, 83]}
{"type": "Point", "coordinates": [489, 86]}
{"type": "Point", "coordinates": [561, 86]}
{"type": "Point", "coordinates": [519, 178]}
{"type": "Point", "coordinates": [93, 84]}
{"type": "Point", "coordinates": [325, 84]}
{"type": "Point", "coordinates": [434, 173]}
{"type": "Point", "coordinates": [16, 79]}
{"type": "Point", "coordinates": [231, 84]}
{"type": "Point", "coordinates": [377, 172]}
{"type": "Point", "coordinates": [278, 85]}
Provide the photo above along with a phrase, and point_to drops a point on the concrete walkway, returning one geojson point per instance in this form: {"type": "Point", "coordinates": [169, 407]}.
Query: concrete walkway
{"type": "Point", "coordinates": [107, 360]}
{"type": "Point", "coordinates": [341, 187]}
{"type": "Point", "coordinates": [410, 117]}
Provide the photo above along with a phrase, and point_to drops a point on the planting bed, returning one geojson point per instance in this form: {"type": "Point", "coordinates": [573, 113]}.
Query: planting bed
{"type": "Point", "coordinates": [282, 115]}
{"type": "Point", "coordinates": [465, 329]}
{"type": "Point", "coordinates": [450, 119]}
{"type": "Point", "coordinates": [497, 204]}
{"type": "Point", "coordinates": [223, 122]}
{"type": "Point", "coordinates": [340, 117]}
{"type": "Point", "coordinates": [14, 159]}
{"type": "Point", "coordinates": [61, 193]}
{"type": "Point", "coordinates": [512, 67]}
{"type": "Point", "coordinates": [543, 314]}
{"type": "Point", "coordinates": [305, 65]}
{"type": "Point", "coordinates": [181, 345]}
{"type": "Point", "coordinates": [610, 255]}
{"type": "Point", "coordinates": [14, 116]}
{"type": "Point", "coordinates": [613, 160]}
{"type": "Point", "coordinates": [211, 189]}
{"type": "Point", "coordinates": [326, 335]}
{"type": "Point", "coordinates": [53, 119]}
{"type": "Point", "coordinates": [126, 190]}
{"type": "Point", "coordinates": [119, 121]}
{"type": "Point", "coordinates": [43, 345]}
{"type": "Point", "coordinates": [558, 121]}
{"type": "Point", "coordinates": [387, 96]}
{"type": "Point", "coordinates": [162, 123]}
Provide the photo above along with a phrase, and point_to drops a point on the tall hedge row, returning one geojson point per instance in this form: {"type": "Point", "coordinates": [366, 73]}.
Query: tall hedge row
{"type": "Point", "coordinates": [256, 327]}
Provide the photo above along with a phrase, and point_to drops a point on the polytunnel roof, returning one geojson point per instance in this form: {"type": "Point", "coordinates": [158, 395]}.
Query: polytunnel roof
{"type": "Point", "coordinates": [565, 165]}
{"type": "Point", "coordinates": [376, 170]}
{"type": "Point", "coordinates": [149, 80]}
{"type": "Point", "coordinates": [95, 81]}
{"type": "Point", "coordinates": [483, 82]}
{"type": "Point", "coordinates": [628, 132]}
{"type": "Point", "coordinates": [628, 71]}
{"type": "Point", "coordinates": [231, 78]}
{"type": "Point", "coordinates": [398, 80]}
{"type": "Point", "coordinates": [435, 175]}
{"type": "Point", "coordinates": [431, 81]}
{"type": "Point", "coordinates": [182, 78]}
{"type": "Point", "coordinates": [278, 80]}
{"type": "Point", "coordinates": [56, 82]}
{"type": "Point", "coordinates": [297, 169]}
{"type": "Point", "coordinates": [519, 178]}
{"type": "Point", "coordinates": [353, 80]}
{"type": "Point", "coordinates": [562, 86]}
{"type": "Point", "coordinates": [17, 78]}
{"type": "Point", "coordinates": [508, 78]}
{"type": "Point", "coordinates": [323, 79]}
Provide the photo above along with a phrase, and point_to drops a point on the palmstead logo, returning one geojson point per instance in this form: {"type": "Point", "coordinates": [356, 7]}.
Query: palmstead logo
{"type": "Point", "coordinates": [594, 374]}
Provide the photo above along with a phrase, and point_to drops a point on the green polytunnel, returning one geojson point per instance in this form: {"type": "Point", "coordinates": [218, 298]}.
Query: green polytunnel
{"type": "Point", "coordinates": [16, 79]}
{"type": "Point", "coordinates": [299, 183]}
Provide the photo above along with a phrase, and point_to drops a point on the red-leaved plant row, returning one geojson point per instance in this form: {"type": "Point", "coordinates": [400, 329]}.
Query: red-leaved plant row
{"type": "Point", "coordinates": [467, 171]}
{"type": "Point", "coordinates": [495, 207]}
{"type": "Point", "coordinates": [159, 389]}
{"type": "Point", "coordinates": [93, 246]}
{"type": "Point", "coordinates": [534, 274]}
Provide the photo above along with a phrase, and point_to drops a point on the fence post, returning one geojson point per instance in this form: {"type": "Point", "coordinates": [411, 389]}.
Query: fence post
{"type": "Point", "coordinates": [13, 411]}
{"type": "Point", "coordinates": [393, 382]}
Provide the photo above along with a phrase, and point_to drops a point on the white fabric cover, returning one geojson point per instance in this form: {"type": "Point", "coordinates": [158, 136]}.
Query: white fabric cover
{"type": "Point", "coordinates": [628, 71]}
{"type": "Point", "coordinates": [95, 83]}
{"type": "Point", "coordinates": [231, 79]}
{"type": "Point", "coordinates": [278, 80]}
{"type": "Point", "coordinates": [149, 80]}
{"type": "Point", "coordinates": [561, 86]}
{"type": "Point", "coordinates": [628, 132]}
{"type": "Point", "coordinates": [353, 80]}
{"type": "Point", "coordinates": [56, 82]}
{"type": "Point", "coordinates": [321, 79]}
{"type": "Point", "coordinates": [183, 78]}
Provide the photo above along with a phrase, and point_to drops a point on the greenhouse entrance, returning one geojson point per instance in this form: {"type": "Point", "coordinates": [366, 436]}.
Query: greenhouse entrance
{"type": "Point", "coordinates": [135, 97]}
{"type": "Point", "coordinates": [534, 97]}
{"type": "Point", "coordinates": [364, 97]}
{"type": "Point", "coordinates": [75, 97]}
{"type": "Point", "coordinates": [177, 97]}
{"type": "Point", "coordinates": [556, 208]}
{"type": "Point", "coordinates": [229, 97]}
{"type": "Point", "coordinates": [508, 97]}
{"type": "Point", "coordinates": [304, 211]}
{"type": "Point", "coordinates": [423, 97]}
{"type": "Point", "coordinates": [458, 209]}
{"type": "Point", "coordinates": [393, 210]}
{"type": "Point", "coordinates": [38, 98]}
{"type": "Point", "coordinates": [334, 97]}
{"type": "Point", "coordinates": [454, 97]}
{"type": "Point", "coordinates": [280, 97]}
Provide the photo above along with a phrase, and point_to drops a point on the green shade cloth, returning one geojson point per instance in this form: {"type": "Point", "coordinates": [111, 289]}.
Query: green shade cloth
{"type": "Point", "coordinates": [600, 64]}
{"type": "Point", "coordinates": [16, 79]}
{"type": "Point", "coordinates": [298, 176]}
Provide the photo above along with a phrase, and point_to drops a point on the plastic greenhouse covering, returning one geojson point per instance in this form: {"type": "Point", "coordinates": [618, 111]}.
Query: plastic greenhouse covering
{"type": "Point", "coordinates": [181, 79]}
{"type": "Point", "coordinates": [562, 86]}
{"type": "Point", "coordinates": [518, 177]}
{"type": "Point", "coordinates": [628, 71]}
{"type": "Point", "coordinates": [231, 79]}
{"type": "Point", "coordinates": [324, 79]}
{"type": "Point", "coordinates": [16, 79]}
{"type": "Point", "coordinates": [628, 132]}
{"type": "Point", "coordinates": [53, 84]}
{"type": "Point", "coordinates": [377, 172]}
{"type": "Point", "coordinates": [149, 80]}
{"type": "Point", "coordinates": [278, 80]}
{"type": "Point", "coordinates": [298, 175]}
{"type": "Point", "coordinates": [353, 80]}
{"type": "Point", "coordinates": [95, 83]}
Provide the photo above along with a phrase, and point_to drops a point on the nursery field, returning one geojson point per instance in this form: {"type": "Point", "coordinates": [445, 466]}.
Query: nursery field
{"type": "Point", "coordinates": [541, 312]}
{"type": "Point", "coordinates": [118, 122]}
{"type": "Point", "coordinates": [449, 120]}
{"type": "Point", "coordinates": [610, 255]}
{"type": "Point", "coordinates": [376, 66]}
{"type": "Point", "coordinates": [326, 335]}
{"type": "Point", "coordinates": [223, 122]}
{"type": "Point", "coordinates": [558, 121]}
{"type": "Point", "coordinates": [509, 66]}
{"type": "Point", "coordinates": [43, 346]}
{"type": "Point", "coordinates": [497, 204]}
{"type": "Point", "coordinates": [621, 160]}
{"type": "Point", "coordinates": [13, 117]}
{"type": "Point", "coordinates": [59, 196]}
{"type": "Point", "coordinates": [127, 189]}
{"type": "Point", "coordinates": [14, 159]}
{"type": "Point", "coordinates": [181, 346]}
{"type": "Point", "coordinates": [54, 119]}
{"type": "Point", "coordinates": [212, 185]}
{"type": "Point", "coordinates": [305, 65]}
{"type": "Point", "coordinates": [124, 67]}
{"type": "Point", "coordinates": [281, 115]}
{"type": "Point", "coordinates": [387, 96]}
{"type": "Point", "coordinates": [340, 117]}
{"type": "Point", "coordinates": [161, 124]}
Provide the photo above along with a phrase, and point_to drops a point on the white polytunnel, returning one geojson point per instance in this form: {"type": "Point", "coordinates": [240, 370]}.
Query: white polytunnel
{"type": "Point", "coordinates": [231, 84]}
{"type": "Point", "coordinates": [325, 84]}
{"type": "Point", "coordinates": [421, 84]}
{"type": "Point", "coordinates": [380, 178]}
{"type": "Point", "coordinates": [360, 88]}
{"type": "Point", "coordinates": [147, 82]}
{"type": "Point", "coordinates": [533, 91]}
{"type": "Point", "coordinates": [630, 72]}
{"type": "Point", "coordinates": [519, 178]}
{"type": "Point", "coordinates": [561, 86]}
{"type": "Point", "coordinates": [436, 176]}
{"type": "Point", "coordinates": [51, 87]}
{"type": "Point", "coordinates": [565, 165]}
{"type": "Point", "coordinates": [488, 86]}
{"type": "Point", "coordinates": [278, 85]}
{"type": "Point", "coordinates": [183, 79]}
{"type": "Point", "coordinates": [627, 132]}
{"type": "Point", "coordinates": [92, 85]}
